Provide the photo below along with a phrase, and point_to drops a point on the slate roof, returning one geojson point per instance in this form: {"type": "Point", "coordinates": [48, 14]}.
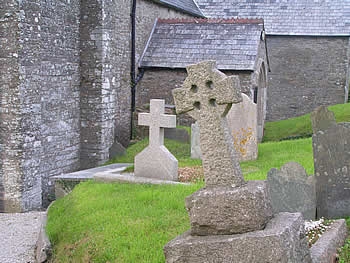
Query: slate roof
{"type": "Point", "coordinates": [287, 17]}
{"type": "Point", "coordinates": [187, 6]}
{"type": "Point", "coordinates": [177, 43]}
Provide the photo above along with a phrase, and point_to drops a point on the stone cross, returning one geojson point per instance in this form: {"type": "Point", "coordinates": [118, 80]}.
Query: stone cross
{"type": "Point", "coordinates": [207, 96]}
{"type": "Point", "coordinates": [156, 161]}
{"type": "Point", "coordinates": [157, 121]}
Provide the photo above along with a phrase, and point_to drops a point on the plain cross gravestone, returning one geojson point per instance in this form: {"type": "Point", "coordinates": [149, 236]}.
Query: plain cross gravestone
{"type": "Point", "coordinates": [155, 161]}
{"type": "Point", "coordinates": [207, 96]}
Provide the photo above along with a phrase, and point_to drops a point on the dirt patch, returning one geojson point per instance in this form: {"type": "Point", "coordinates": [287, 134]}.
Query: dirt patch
{"type": "Point", "coordinates": [190, 174]}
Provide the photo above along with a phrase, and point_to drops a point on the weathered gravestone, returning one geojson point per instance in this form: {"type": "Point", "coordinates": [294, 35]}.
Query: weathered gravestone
{"type": "Point", "coordinates": [242, 124]}
{"type": "Point", "coordinates": [155, 161]}
{"type": "Point", "coordinates": [230, 218]}
{"type": "Point", "coordinates": [242, 121]}
{"type": "Point", "coordinates": [292, 190]}
{"type": "Point", "coordinates": [331, 147]}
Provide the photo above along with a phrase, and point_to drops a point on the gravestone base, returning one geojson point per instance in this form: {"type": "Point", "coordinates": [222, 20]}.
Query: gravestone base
{"type": "Point", "coordinates": [283, 240]}
{"type": "Point", "coordinates": [229, 210]}
{"type": "Point", "coordinates": [156, 162]}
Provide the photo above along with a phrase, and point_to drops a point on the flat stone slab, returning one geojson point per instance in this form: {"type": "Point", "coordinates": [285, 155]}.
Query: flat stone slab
{"type": "Point", "coordinates": [90, 173]}
{"type": "Point", "coordinates": [325, 249]}
{"type": "Point", "coordinates": [130, 178]}
{"type": "Point", "coordinates": [65, 183]}
{"type": "Point", "coordinates": [19, 233]}
{"type": "Point", "coordinates": [283, 240]}
{"type": "Point", "coordinates": [229, 210]}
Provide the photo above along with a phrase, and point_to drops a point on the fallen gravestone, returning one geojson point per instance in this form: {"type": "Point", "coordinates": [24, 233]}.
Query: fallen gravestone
{"type": "Point", "coordinates": [292, 190]}
{"type": "Point", "coordinates": [242, 124]}
{"type": "Point", "coordinates": [155, 161]}
{"type": "Point", "coordinates": [331, 147]}
{"type": "Point", "coordinates": [231, 220]}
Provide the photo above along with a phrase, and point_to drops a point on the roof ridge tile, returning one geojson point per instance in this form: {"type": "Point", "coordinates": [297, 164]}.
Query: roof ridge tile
{"type": "Point", "coordinates": [211, 21]}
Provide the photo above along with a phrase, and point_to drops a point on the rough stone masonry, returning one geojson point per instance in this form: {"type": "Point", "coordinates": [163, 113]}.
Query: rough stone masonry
{"type": "Point", "coordinates": [64, 88]}
{"type": "Point", "coordinates": [230, 218]}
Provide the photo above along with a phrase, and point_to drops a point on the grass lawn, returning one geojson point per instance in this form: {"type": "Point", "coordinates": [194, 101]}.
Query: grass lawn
{"type": "Point", "coordinates": [130, 223]}
{"type": "Point", "coordinates": [101, 222]}
{"type": "Point", "coordinates": [300, 127]}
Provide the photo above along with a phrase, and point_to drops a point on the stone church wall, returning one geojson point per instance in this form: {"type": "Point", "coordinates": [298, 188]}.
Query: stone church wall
{"type": "Point", "coordinates": [99, 31]}
{"type": "Point", "coordinates": [10, 136]}
{"type": "Point", "coordinates": [65, 89]}
{"type": "Point", "coordinates": [40, 104]}
{"type": "Point", "coordinates": [105, 71]}
{"type": "Point", "coordinates": [306, 72]}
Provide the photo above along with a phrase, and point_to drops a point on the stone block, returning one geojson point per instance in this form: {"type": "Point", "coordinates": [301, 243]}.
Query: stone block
{"type": "Point", "coordinates": [292, 190]}
{"type": "Point", "coordinates": [283, 240]}
{"type": "Point", "coordinates": [156, 163]}
{"type": "Point", "coordinates": [228, 210]}
{"type": "Point", "coordinates": [331, 148]}
{"type": "Point", "coordinates": [326, 247]}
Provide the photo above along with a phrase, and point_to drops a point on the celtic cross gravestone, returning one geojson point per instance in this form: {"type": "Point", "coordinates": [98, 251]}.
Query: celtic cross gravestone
{"type": "Point", "coordinates": [230, 219]}
{"type": "Point", "coordinates": [207, 95]}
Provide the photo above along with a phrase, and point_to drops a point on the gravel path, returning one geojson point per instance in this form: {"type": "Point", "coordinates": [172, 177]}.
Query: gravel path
{"type": "Point", "coordinates": [18, 235]}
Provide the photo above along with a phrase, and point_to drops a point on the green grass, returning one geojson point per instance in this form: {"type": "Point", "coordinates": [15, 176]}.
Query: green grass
{"type": "Point", "coordinates": [344, 255]}
{"type": "Point", "coordinates": [271, 155]}
{"type": "Point", "coordinates": [117, 222]}
{"type": "Point", "coordinates": [300, 127]}
{"type": "Point", "coordinates": [127, 223]}
{"type": "Point", "coordinates": [181, 151]}
{"type": "Point", "coordinates": [131, 223]}
{"type": "Point", "coordinates": [276, 154]}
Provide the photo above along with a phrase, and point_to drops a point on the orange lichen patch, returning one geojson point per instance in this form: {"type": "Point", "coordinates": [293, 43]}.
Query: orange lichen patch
{"type": "Point", "coordinates": [241, 138]}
